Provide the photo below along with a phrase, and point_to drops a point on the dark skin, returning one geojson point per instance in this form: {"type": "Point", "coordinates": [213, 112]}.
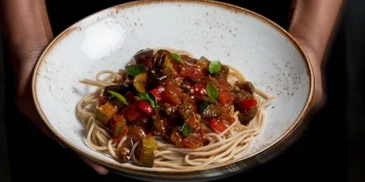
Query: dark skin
{"type": "Point", "coordinates": [312, 23]}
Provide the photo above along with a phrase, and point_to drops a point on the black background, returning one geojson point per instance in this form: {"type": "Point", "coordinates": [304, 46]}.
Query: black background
{"type": "Point", "coordinates": [319, 155]}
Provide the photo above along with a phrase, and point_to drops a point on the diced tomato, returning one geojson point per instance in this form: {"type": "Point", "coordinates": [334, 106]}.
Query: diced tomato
{"type": "Point", "coordinates": [190, 71]}
{"type": "Point", "coordinates": [131, 113]}
{"type": "Point", "coordinates": [129, 96]}
{"type": "Point", "coordinates": [120, 132]}
{"type": "Point", "coordinates": [217, 125]}
{"type": "Point", "coordinates": [157, 92]}
{"type": "Point", "coordinates": [192, 121]}
{"type": "Point", "coordinates": [193, 142]}
{"type": "Point", "coordinates": [172, 94]}
{"type": "Point", "coordinates": [247, 104]}
{"type": "Point", "coordinates": [199, 89]}
{"type": "Point", "coordinates": [225, 97]}
{"type": "Point", "coordinates": [145, 106]}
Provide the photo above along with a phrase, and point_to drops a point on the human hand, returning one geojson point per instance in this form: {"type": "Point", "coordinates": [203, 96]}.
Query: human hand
{"type": "Point", "coordinates": [27, 32]}
{"type": "Point", "coordinates": [312, 23]}
{"type": "Point", "coordinates": [319, 96]}
{"type": "Point", "coordinates": [24, 99]}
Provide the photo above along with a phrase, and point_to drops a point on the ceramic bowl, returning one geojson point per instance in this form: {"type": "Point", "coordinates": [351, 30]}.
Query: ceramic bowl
{"type": "Point", "coordinates": [265, 53]}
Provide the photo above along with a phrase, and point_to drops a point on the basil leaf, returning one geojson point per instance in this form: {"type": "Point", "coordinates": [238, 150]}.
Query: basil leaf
{"type": "Point", "coordinates": [212, 91]}
{"type": "Point", "coordinates": [214, 67]}
{"type": "Point", "coordinates": [118, 96]}
{"type": "Point", "coordinates": [203, 106]}
{"type": "Point", "coordinates": [176, 57]}
{"type": "Point", "coordinates": [186, 129]}
{"type": "Point", "coordinates": [134, 70]}
{"type": "Point", "coordinates": [149, 97]}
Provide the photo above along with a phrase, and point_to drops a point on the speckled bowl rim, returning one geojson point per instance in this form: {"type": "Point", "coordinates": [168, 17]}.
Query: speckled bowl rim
{"type": "Point", "coordinates": [148, 171]}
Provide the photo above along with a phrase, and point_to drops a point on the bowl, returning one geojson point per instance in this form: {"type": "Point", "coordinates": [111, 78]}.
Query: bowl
{"type": "Point", "coordinates": [265, 54]}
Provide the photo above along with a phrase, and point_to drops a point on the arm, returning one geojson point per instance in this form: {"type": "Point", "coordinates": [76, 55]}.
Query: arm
{"type": "Point", "coordinates": [312, 24]}
{"type": "Point", "coordinates": [27, 32]}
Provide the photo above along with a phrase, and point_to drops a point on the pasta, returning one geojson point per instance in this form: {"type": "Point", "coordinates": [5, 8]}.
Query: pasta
{"type": "Point", "coordinates": [218, 146]}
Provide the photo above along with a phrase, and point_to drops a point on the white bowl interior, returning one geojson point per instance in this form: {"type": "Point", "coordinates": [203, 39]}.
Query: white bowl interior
{"type": "Point", "coordinates": [108, 39]}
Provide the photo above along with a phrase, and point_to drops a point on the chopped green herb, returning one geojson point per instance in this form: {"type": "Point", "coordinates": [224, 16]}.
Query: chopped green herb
{"type": "Point", "coordinates": [134, 70]}
{"type": "Point", "coordinates": [212, 91]}
{"type": "Point", "coordinates": [176, 57]}
{"type": "Point", "coordinates": [118, 96]}
{"type": "Point", "coordinates": [186, 129]}
{"type": "Point", "coordinates": [149, 97]}
{"type": "Point", "coordinates": [214, 67]}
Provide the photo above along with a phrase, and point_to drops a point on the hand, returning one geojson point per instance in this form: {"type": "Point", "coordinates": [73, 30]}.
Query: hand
{"type": "Point", "coordinates": [319, 96]}
{"type": "Point", "coordinates": [27, 31]}
{"type": "Point", "coordinates": [312, 23]}
{"type": "Point", "coordinates": [24, 99]}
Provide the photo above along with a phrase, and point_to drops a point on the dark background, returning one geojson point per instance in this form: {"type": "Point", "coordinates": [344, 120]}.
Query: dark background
{"type": "Point", "coordinates": [330, 149]}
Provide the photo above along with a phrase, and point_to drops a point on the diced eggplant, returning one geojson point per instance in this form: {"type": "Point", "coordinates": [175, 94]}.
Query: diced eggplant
{"type": "Point", "coordinates": [202, 107]}
{"type": "Point", "coordinates": [247, 86]}
{"type": "Point", "coordinates": [170, 110]}
{"type": "Point", "coordinates": [203, 63]}
{"type": "Point", "coordinates": [124, 151]}
{"type": "Point", "coordinates": [177, 137]}
{"type": "Point", "coordinates": [160, 57]}
{"type": "Point", "coordinates": [155, 78]}
{"type": "Point", "coordinates": [246, 116]}
{"type": "Point", "coordinates": [126, 86]}
{"type": "Point", "coordinates": [161, 60]}
{"type": "Point", "coordinates": [143, 57]}
{"type": "Point", "coordinates": [186, 86]}
{"type": "Point", "coordinates": [168, 68]}
{"type": "Point", "coordinates": [211, 111]}
{"type": "Point", "coordinates": [159, 126]}
{"type": "Point", "coordinates": [240, 95]}
{"type": "Point", "coordinates": [205, 99]}
{"type": "Point", "coordinates": [185, 110]}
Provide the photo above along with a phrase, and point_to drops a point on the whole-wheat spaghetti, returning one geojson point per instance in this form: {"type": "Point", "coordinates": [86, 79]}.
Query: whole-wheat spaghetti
{"type": "Point", "coordinates": [222, 147]}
